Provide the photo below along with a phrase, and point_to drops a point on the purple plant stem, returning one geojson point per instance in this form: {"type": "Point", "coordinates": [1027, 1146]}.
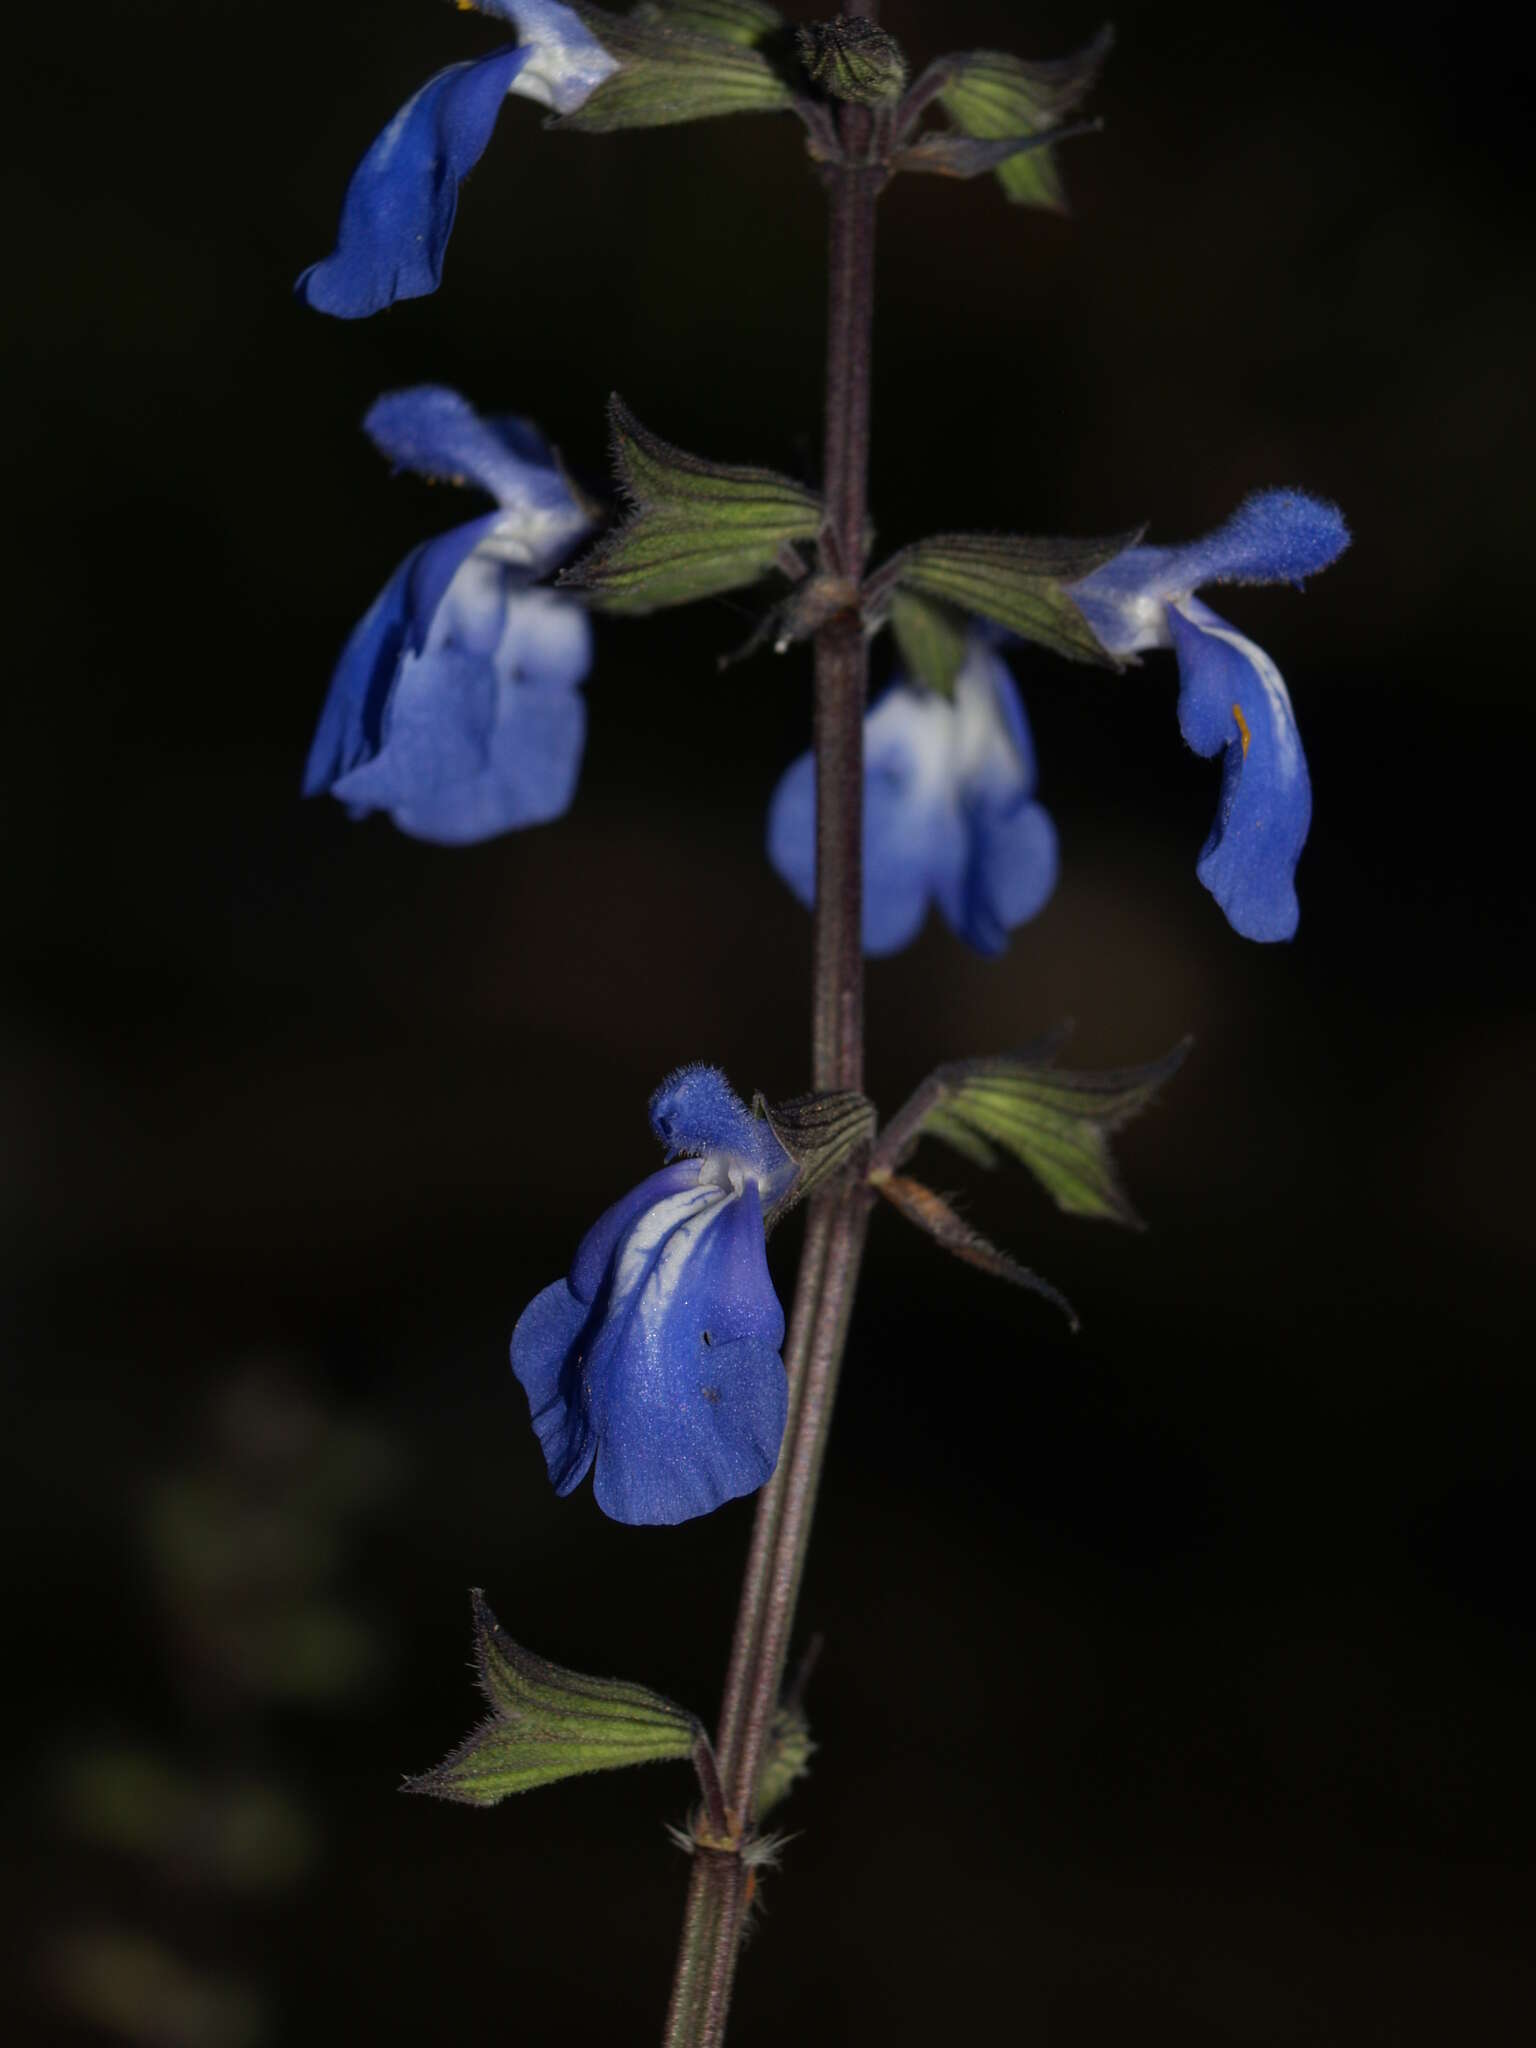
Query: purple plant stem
{"type": "Point", "coordinates": [721, 1879]}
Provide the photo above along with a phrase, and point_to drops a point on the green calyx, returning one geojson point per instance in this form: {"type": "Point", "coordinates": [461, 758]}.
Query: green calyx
{"type": "Point", "coordinates": [851, 59]}
{"type": "Point", "coordinates": [747, 22]}
{"type": "Point", "coordinates": [548, 1723]}
{"type": "Point", "coordinates": [1015, 581]}
{"type": "Point", "coordinates": [1055, 1123]}
{"type": "Point", "coordinates": [994, 97]}
{"type": "Point", "coordinates": [823, 1134]}
{"type": "Point", "coordinates": [941, 1221]}
{"type": "Point", "coordinates": [952, 155]}
{"type": "Point", "coordinates": [684, 62]}
{"type": "Point", "coordinates": [693, 528]}
{"type": "Point", "coordinates": [786, 1760]}
{"type": "Point", "coordinates": [931, 639]}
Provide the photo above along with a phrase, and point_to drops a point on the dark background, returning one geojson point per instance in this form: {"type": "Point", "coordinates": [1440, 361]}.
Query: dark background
{"type": "Point", "coordinates": [1179, 1679]}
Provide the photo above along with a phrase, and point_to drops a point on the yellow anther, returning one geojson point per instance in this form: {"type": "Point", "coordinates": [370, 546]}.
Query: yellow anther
{"type": "Point", "coordinates": [1242, 727]}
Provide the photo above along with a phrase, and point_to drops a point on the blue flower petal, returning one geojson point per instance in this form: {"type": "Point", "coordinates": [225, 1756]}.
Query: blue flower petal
{"type": "Point", "coordinates": [546, 1333]}
{"type": "Point", "coordinates": [947, 816]}
{"type": "Point", "coordinates": [1125, 601]}
{"type": "Point", "coordinates": [1010, 863]}
{"type": "Point", "coordinates": [910, 829]}
{"type": "Point", "coordinates": [697, 1111]}
{"type": "Point", "coordinates": [1011, 769]}
{"type": "Point", "coordinates": [1272, 537]}
{"type": "Point", "coordinates": [687, 1390]}
{"type": "Point", "coordinates": [547, 637]}
{"type": "Point", "coordinates": [792, 828]}
{"type": "Point", "coordinates": [595, 1250]}
{"type": "Point", "coordinates": [568, 62]}
{"type": "Point", "coordinates": [914, 838]}
{"type": "Point", "coordinates": [470, 746]}
{"type": "Point", "coordinates": [438, 434]}
{"type": "Point", "coordinates": [468, 755]}
{"type": "Point", "coordinates": [1010, 875]}
{"type": "Point", "coordinates": [453, 706]}
{"type": "Point", "coordinates": [660, 1355]}
{"type": "Point", "coordinates": [545, 1341]}
{"type": "Point", "coordinates": [399, 208]}
{"type": "Point", "coordinates": [1232, 701]}
{"type": "Point", "coordinates": [435, 734]}
{"type": "Point", "coordinates": [398, 620]}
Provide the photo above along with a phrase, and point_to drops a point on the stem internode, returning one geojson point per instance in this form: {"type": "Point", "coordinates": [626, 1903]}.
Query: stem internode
{"type": "Point", "coordinates": [719, 1883]}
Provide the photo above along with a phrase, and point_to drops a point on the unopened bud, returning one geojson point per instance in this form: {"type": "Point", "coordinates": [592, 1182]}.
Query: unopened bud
{"type": "Point", "coordinates": [851, 59]}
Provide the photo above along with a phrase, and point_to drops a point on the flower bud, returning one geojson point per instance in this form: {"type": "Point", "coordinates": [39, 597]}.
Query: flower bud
{"type": "Point", "coordinates": [851, 59]}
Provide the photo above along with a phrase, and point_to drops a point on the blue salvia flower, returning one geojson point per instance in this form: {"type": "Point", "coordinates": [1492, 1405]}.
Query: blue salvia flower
{"type": "Point", "coordinates": [454, 706]}
{"type": "Point", "coordinates": [657, 1359]}
{"type": "Point", "coordinates": [949, 812]}
{"type": "Point", "coordinates": [399, 208]}
{"type": "Point", "coordinates": [1232, 700]}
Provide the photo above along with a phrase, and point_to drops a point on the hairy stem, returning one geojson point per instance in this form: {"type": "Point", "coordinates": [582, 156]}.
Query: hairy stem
{"type": "Point", "coordinates": [720, 1882]}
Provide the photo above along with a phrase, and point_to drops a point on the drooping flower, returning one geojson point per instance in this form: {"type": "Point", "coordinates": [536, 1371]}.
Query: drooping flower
{"type": "Point", "coordinates": [949, 812]}
{"type": "Point", "coordinates": [656, 1359]}
{"type": "Point", "coordinates": [1232, 700]}
{"type": "Point", "coordinates": [454, 706]}
{"type": "Point", "coordinates": [399, 207]}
